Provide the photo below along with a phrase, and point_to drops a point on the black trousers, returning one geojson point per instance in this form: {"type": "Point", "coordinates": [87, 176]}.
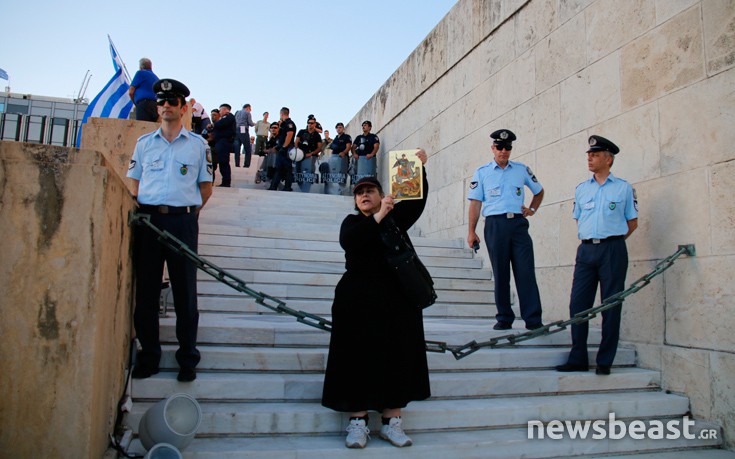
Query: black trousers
{"type": "Point", "coordinates": [284, 171]}
{"type": "Point", "coordinates": [605, 263]}
{"type": "Point", "coordinates": [510, 245]}
{"type": "Point", "coordinates": [224, 147]}
{"type": "Point", "coordinates": [150, 255]}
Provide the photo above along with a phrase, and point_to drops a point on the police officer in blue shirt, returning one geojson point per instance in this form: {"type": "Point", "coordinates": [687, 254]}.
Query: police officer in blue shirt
{"type": "Point", "coordinates": [606, 211]}
{"type": "Point", "coordinates": [497, 191]}
{"type": "Point", "coordinates": [171, 169]}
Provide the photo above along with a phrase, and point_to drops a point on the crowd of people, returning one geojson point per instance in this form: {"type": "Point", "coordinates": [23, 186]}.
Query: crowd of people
{"type": "Point", "coordinates": [370, 306]}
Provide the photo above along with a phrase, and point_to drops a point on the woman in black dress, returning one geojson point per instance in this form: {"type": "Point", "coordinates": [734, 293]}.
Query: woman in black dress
{"type": "Point", "coordinates": [377, 354]}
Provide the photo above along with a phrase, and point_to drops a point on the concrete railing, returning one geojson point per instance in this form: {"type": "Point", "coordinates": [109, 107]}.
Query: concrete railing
{"type": "Point", "coordinates": [66, 282]}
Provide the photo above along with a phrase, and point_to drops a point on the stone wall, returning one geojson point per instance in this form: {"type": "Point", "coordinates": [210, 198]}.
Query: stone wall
{"type": "Point", "coordinates": [655, 76]}
{"type": "Point", "coordinates": [66, 301]}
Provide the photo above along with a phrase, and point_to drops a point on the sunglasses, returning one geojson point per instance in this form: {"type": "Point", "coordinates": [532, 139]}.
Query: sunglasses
{"type": "Point", "coordinates": [172, 101]}
{"type": "Point", "coordinates": [504, 147]}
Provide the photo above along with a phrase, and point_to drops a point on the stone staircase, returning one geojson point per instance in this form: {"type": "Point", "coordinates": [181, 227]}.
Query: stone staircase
{"type": "Point", "coordinates": [260, 378]}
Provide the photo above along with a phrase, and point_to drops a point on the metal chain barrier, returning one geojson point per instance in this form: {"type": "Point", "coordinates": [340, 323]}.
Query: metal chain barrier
{"type": "Point", "coordinates": [458, 351]}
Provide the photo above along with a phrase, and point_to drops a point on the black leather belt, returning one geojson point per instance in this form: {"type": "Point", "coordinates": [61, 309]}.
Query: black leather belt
{"type": "Point", "coordinates": [508, 215]}
{"type": "Point", "coordinates": [168, 209]}
{"type": "Point", "coordinates": [599, 241]}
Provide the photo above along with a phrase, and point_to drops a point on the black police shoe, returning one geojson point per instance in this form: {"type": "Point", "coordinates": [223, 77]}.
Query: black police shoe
{"type": "Point", "coordinates": [142, 372]}
{"type": "Point", "coordinates": [567, 367]}
{"type": "Point", "coordinates": [502, 326]}
{"type": "Point", "coordinates": [602, 370]}
{"type": "Point", "coordinates": [187, 374]}
{"type": "Point", "coordinates": [534, 326]}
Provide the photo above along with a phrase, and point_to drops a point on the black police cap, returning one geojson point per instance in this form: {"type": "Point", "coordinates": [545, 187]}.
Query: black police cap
{"type": "Point", "coordinates": [367, 122]}
{"type": "Point", "coordinates": [170, 87]}
{"type": "Point", "coordinates": [598, 143]}
{"type": "Point", "coordinates": [367, 181]}
{"type": "Point", "coordinates": [503, 136]}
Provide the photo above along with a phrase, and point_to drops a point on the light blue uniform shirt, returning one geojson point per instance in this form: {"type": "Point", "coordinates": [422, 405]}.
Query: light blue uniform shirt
{"type": "Point", "coordinates": [603, 210]}
{"type": "Point", "coordinates": [170, 173]}
{"type": "Point", "coordinates": [501, 190]}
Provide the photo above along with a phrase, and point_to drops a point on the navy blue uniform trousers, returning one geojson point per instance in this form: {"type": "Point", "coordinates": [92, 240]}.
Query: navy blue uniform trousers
{"type": "Point", "coordinates": [150, 255]}
{"type": "Point", "coordinates": [605, 263]}
{"type": "Point", "coordinates": [223, 148]}
{"type": "Point", "coordinates": [509, 244]}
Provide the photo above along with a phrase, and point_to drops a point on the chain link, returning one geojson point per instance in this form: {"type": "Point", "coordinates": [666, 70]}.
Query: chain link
{"type": "Point", "coordinates": [458, 351]}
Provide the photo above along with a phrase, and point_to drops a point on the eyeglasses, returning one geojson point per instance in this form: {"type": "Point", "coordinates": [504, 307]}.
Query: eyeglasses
{"type": "Point", "coordinates": [504, 147]}
{"type": "Point", "coordinates": [172, 101]}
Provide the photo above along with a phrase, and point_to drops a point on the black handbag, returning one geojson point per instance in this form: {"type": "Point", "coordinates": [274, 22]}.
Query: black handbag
{"type": "Point", "coordinates": [412, 276]}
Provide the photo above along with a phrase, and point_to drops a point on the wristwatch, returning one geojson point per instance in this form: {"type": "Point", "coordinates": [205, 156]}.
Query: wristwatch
{"type": "Point", "coordinates": [532, 209]}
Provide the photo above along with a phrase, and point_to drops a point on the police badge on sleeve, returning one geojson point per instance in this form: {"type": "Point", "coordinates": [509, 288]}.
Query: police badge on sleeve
{"type": "Point", "coordinates": [132, 165]}
{"type": "Point", "coordinates": [530, 172]}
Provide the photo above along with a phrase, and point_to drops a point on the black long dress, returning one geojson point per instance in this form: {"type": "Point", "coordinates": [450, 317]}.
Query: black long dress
{"type": "Point", "coordinates": [377, 355]}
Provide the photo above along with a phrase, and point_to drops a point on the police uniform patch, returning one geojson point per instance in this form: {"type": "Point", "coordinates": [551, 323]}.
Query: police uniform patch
{"type": "Point", "coordinates": [612, 206]}
{"type": "Point", "coordinates": [184, 169]}
{"type": "Point", "coordinates": [209, 169]}
{"type": "Point", "coordinates": [518, 191]}
{"type": "Point", "coordinates": [132, 164]}
{"type": "Point", "coordinates": [166, 85]}
{"type": "Point", "coordinates": [504, 135]}
{"type": "Point", "coordinates": [473, 185]}
{"type": "Point", "coordinates": [635, 199]}
{"type": "Point", "coordinates": [209, 155]}
{"type": "Point", "coordinates": [530, 172]}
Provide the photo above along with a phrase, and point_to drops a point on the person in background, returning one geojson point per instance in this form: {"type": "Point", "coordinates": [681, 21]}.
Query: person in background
{"type": "Point", "coordinates": [244, 120]}
{"type": "Point", "coordinates": [366, 147]}
{"type": "Point", "coordinates": [224, 136]}
{"type": "Point", "coordinates": [285, 140]}
{"type": "Point", "coordinates": [141, 92]}
{"type": "Point", "coordinates": [310, 142]}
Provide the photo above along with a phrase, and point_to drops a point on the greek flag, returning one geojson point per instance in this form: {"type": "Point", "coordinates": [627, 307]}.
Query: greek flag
{"type": "Point", "coordinates": [3, 74]}
{"type": "Point", "coordinates": [113, 101]}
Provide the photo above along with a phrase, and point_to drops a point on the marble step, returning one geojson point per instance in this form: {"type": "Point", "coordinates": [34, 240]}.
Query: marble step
{"type": "Point", "coordinates": [208, 251]}
{"type": "Point", "coordinates": [284, 330]}
{"type": "Point", "coordinates": [707, 453]}
{"type": "Point", "coordinates": [334, 267]}
{"type": "Point", "coordinates": [239, 228]}
{"type": "Point", "coordinates": [313, 360]}
{"type": "Point", "coordinates": [311, 418]}
{"type": "Point", "coordinates": [319, 246]}
{"type": "Point", "coordinates": [320, 279]}
{"type": "Point", "coordinates": [308, 387]}
{"type": "Point", "coordinates": [325, 290]}
{"type": "Point", "coordinates": [471, 444]}
{"type": "Point", "coordinates": [323, 307]}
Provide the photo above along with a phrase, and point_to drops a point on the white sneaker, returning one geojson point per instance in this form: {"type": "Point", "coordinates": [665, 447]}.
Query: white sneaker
{"type": "Point", "coordinates": [393, 432]}
{"type": "Point", "coordinates": [357, 434]}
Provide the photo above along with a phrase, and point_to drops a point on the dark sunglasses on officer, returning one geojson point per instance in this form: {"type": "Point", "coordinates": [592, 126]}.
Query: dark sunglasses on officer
{"type": "Point", "coordinates": [173, 101]}
{"type": "Point", "coordinates": [503, 146]}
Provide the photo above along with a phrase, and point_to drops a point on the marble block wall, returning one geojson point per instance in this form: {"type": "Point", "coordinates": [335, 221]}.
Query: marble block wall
{"type": "Point", "coordinates": [655, 76]}
{"type": "Point", "coordinates": [66, 283]}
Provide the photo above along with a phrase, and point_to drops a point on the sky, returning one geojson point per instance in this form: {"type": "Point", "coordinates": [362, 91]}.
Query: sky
{"type": "Point", "coordinates": [326, 57]}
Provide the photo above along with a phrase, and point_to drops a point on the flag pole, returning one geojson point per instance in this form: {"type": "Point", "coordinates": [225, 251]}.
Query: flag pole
{"type": "Point", "coordinates": [124, 67]}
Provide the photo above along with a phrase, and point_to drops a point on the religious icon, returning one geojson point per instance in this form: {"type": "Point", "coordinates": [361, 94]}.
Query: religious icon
{"type": "Point", "coordinates": [406, 175]}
